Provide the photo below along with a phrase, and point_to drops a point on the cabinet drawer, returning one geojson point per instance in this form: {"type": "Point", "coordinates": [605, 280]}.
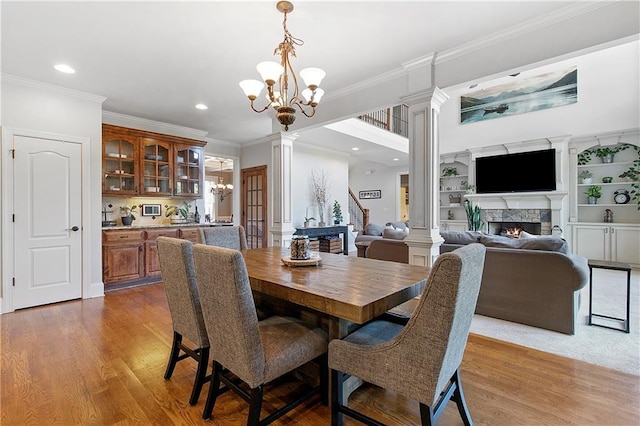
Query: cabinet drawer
{"type": "Point", "coordinates": [122, 236]}
{"type": "Point", "coordinates": [152, 234]}
{"type": "Point", "coordinates": [191, 234]}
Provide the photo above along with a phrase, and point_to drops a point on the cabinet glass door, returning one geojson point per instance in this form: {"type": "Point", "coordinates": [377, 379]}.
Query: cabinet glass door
{"type": "Point", "coordinates": [119, 166]}
{"type": "Point", "coordinates": [188, 165]}
{"type": "Point", "coordinates": [156, 168]}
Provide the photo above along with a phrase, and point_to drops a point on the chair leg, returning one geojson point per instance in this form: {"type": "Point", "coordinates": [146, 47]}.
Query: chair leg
{"type": "Point", "coordinates": [174, 355]}
{"type": "Point", "coordinates": [201, 375]}
{"type": "Point", "coordinates": [426, 415]}
{"type": "Point", "coordinates": [213, 391]}
{"type": "Point", "coordinates": [458, 397]}
{"type": "Point", "coordinates": [337, 418]}
{"type": "Point", "coordinates": [324, 378]}
{"type": "Point", "coordinates": [255, 406]}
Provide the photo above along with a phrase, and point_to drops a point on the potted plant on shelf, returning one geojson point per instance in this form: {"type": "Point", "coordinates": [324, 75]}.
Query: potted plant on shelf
{"type": "Point", "coordinates": [449, 171]}
{"type": "Point", "coordinates": [606, 153]}
{"type": "Point", "coordinates": [593, 193]}
{"type": "Point", "coordinates": [586, 176]}
{"type": "Point", "coordinates": [337, 213]}
{"type": "Point", "coordinates": [127, 216]}
{"type": "Point", "coordinates": [181, 211]}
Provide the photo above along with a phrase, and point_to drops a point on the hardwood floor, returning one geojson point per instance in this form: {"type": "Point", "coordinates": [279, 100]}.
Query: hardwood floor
{"type": "Point", "coordinates": [101, 361]}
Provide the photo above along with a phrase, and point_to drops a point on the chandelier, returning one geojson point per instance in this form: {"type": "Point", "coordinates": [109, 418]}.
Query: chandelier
{"type": "Point", "coordinates": [220, 189]}
{"type": "Point", "coordinates": [282, 97]}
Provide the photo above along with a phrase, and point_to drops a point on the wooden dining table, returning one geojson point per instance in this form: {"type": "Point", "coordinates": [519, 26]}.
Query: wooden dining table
{"type": "Point", "coordinates": [343, 290]}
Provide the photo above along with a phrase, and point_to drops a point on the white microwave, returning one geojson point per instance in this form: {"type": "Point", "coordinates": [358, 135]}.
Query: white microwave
{"type": "Point", "coordinates": [151, 210]}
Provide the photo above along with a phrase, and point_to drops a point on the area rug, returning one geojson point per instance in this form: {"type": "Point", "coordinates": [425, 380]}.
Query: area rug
{"type": "Point", "coordinates": [608, 348]}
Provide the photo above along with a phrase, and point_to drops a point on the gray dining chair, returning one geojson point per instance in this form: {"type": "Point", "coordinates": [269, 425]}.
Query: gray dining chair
{"type": "Point", "coordinates": [233, 237]}
{"type": "Point", "coordinates": [256, 352]}
{"type": "Point", "coordinates": [421, 359]}
{"type": "Point", "coordinates": [178, 276]}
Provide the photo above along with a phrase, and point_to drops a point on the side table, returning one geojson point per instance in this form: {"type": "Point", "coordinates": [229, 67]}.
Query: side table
{"type": "Point", "coordinates": [615, 266]}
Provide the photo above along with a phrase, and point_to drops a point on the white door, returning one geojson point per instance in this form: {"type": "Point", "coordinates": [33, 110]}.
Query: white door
{"type": "Point", "coordinates": [48, 222]}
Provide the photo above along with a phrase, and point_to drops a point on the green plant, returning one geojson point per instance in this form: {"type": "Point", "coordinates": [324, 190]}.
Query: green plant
{"type": "Point", "coordinates": [127, 211]}
{"type": "Point", "coordinates": [337, 211]}
{"type": "Point", "coordinates": [449, 171]}
{"type": "Point", "coordinates": [473, 216]}
{"type": "Point", "coordinates": [633, 174]}
{"type": "Point", "coordinates": [594, 191]}
{"type": "Point", "coordinates": [603, 152]}
{"type": "Point", "coordinates": [585, 156]}
{"type": "Point", "coordinates": [182, 210]}
{"type": "Point", "coordinates": [309, 219]}
{"type": "Point", "coordinates": [585, 174]}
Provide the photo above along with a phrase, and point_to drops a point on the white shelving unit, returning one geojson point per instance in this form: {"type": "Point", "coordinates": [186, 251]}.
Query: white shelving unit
{"type": "Point", "coordinates": [452, 190]}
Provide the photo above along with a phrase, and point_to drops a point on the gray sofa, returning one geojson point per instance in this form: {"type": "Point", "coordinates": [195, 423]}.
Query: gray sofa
{"type": "Point", "coordinates": [532, 281]}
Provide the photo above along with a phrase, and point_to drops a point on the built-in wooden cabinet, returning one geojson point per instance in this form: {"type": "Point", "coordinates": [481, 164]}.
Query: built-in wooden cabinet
{"type": "Point", "coordinates": [617, 243]}
{"type": "Point", "coordinates": [122, 255]}
{"type": "Point", "coordinates": [131, 255]}
{"type": "Point", "coordinates": [139, 163]}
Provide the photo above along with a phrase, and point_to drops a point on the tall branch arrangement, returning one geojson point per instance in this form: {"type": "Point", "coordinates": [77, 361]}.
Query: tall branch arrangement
{"type": "Point", "coordinates": [320, 189]}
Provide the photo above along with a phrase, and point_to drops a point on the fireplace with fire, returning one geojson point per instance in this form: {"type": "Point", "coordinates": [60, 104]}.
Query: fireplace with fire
{"type": "Point", "coordinates": [513, 229]}
{"type": "Point", "coordinates": [510, 222]}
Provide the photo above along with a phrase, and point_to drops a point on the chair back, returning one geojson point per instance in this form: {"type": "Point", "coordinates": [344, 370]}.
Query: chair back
{"type": "Point", "coordinates": [229, 311]}
{"type": "Point", "coordinates": [442, 320]}
{"type": "Point", "coordinates": [178, 276]}
{"type": "Point", "coordinates": [232, 237]}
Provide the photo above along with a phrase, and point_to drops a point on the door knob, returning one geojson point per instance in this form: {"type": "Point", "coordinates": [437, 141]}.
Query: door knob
{"type": "Point", "coordinates": [75, 228]}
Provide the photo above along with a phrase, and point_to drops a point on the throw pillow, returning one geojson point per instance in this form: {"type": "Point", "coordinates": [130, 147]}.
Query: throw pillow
{"type": "Point", "coordinates": [397, 225]}
{"type": "Point", "coordinates": [525, 235]}
{"type": "Point", "coordinates": [373, 229]}
{"type": "Point", "coordinates": [396, 234]}
{"type": "Point", "coordinates": [460, 237]}
{"type": "Point", "coordinates": [540, 243]}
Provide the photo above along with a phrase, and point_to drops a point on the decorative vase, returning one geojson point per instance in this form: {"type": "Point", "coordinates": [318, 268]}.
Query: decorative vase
{"type": "Point", "coordinates": [607, 158]}
{"type": "Point", "coordinates": [126, 220]}
{"type": "Point", "coordinates": [306, 224]}
{"type": "Point", "coordinates": [587, 180]}
{"type": "Point", "coordinates": [592, 200]}
{"type": "Point", "coordinates": [336, 222]}
{"type": "Point", "coordinates": [321, 224]}
{"type": "Point", "coordinates": [607, 179]}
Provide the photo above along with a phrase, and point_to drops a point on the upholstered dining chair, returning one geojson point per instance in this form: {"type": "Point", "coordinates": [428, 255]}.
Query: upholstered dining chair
{"type": "Point", "coordinates": [256, 352]}
{"type": "Point", "coordinates": [420, 360]}
{"type": "Point", "coordinates": [232, 237]}
{"type": "Point", "coordinates": [178, 276]}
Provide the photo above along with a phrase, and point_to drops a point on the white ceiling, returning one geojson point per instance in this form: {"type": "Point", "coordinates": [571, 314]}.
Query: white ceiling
{"type": "Point", "coordinates": [156, 60]}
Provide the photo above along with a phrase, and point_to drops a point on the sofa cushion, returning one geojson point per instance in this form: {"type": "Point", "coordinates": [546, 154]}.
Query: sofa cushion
{"type": "Point", "coordinates": [398, 225]}
{"type": "Point", "coordinates": [460, 237]}
{"type": "Point", "coordinates": [373, 229]}
{"type": "Point", "coordinates": [395, 234]}
{"type": "Point", "coordinates": [540, 243]}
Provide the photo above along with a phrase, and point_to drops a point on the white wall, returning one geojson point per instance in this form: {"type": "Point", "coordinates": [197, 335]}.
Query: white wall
{"type": "Point", "coordinates": [335, 166]}
{"type": "Point", "coordinates": [608, 101]}
{"type": "Point", "coordinates": [34, 106]}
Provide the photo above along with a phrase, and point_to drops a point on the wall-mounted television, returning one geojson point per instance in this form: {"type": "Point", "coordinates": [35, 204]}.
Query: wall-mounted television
{"type": "Point", "coordinates": [519, 172]}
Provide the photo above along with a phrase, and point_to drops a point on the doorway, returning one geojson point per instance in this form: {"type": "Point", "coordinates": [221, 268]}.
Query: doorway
{"type": "Point", "coordinates": [254, 205]}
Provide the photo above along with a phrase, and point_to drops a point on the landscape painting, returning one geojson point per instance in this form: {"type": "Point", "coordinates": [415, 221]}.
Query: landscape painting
{"type": "Point", "coordinates": [517, 94]}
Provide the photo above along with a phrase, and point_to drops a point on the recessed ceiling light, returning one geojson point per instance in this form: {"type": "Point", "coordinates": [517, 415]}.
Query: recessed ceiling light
{"type": "Point", "coordinates": [64, 68]}
{"type": "Point", "coordinates": [202, 106]}
{"type": "Point", "coordinates": [355, 148]}
{"type": "Point", "coordinates": [396, 159]}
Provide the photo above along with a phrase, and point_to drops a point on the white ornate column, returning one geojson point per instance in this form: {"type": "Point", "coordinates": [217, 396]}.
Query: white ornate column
{"type": "Point", "coordinates": [424, 238]}
{"type": "Point", "coordinates": [281, 159]}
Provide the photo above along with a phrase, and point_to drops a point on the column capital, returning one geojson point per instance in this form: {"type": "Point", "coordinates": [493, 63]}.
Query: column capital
{"type": "Point", "coordinates": [433, 95]}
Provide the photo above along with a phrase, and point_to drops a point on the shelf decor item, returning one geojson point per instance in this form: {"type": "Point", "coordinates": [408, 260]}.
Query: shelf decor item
{"type": "Point", "coordinates": [607, 179]}
{"type": "Point", "coordinates": [449, 172]}
{"type": "Point", "coordinates": [593, 193]}
{"type": "Point", "coordinates": [181, 212]}
{"type": "Point", "coordinates": [127, 214]}
{"type": "Point", "coordinates": [586, 176]}
{"type": "Point", "coordinates": [473, 216]}
{"type": "Point", "coordinates": [337, 213]}
{"type": "Point", "coordinates": [320, 191]}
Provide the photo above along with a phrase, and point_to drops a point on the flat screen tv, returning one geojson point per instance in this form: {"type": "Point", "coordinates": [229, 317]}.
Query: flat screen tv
{"type": "Point", "coordinates": [519, 172]}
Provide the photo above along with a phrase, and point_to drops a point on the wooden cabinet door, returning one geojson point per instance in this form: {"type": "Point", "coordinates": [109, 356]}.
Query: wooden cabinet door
{"type": "Point", "coordinates": [122, 256]}
{"type": "Point", "coordinates": [119, 162]}
{"type": "Point", "coordinates": [156, 159]}
{"type": "Point", "coordinates": [188, 163]}
{"type": "Point", "coordinates": [151, 258]}
{"type": "Point", "coordinates": [191, 234]}
{"type": "Point", "coordinates": [592, 241]}
{"type": "Point", "coordinates": [625, 244]}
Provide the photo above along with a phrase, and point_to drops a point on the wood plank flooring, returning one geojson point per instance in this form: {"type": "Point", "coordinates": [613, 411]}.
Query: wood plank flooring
{"type": "Point", "coordinates": [101, 362]}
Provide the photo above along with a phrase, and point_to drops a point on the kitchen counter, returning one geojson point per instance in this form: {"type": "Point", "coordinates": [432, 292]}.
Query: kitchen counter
{"type": "Point", "coordinates": [171, 225]}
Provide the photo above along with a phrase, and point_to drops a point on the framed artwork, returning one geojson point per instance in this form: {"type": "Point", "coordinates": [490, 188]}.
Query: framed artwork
{"type": "Point", "coordinates": [367, 195]}
{"type": "Point", "coordinates": [520, 93]}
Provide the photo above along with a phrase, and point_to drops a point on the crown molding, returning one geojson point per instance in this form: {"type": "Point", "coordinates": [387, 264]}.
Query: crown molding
{"type": "Point", "coordinates": [124, 120]}
{"type": "Point", "coordinates": [543, 21]}
{"type": "Point", "coordinates": [51, 88]}
{"type": "Point", "coordinates": [365, 84]}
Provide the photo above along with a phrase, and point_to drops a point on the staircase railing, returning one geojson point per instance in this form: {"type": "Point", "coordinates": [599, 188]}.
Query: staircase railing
{"type": "Point", "coordinates": [359, 215]}
{"type": "Point", "coordinates": [394, 119]}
